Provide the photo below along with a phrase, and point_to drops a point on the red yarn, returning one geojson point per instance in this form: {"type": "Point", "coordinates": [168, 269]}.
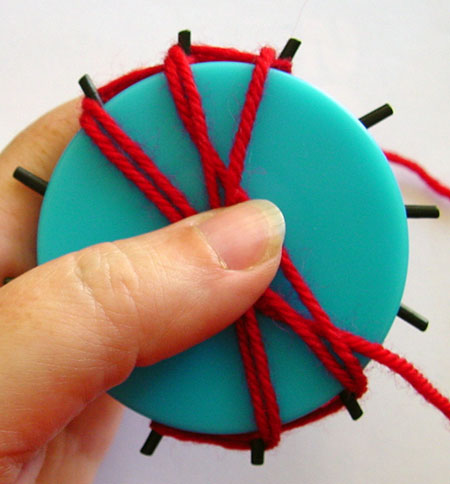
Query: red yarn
{"type": "Point", "coordinates": [256, 365]}
{"type": "Point", "coordinates": [334, 347]}
{"type": "Point", "coordinates": [245, 128]}
{"type": "Point", "coordinates": [144, 173]}
{"type": "Point", "coordinates": [432, 182]}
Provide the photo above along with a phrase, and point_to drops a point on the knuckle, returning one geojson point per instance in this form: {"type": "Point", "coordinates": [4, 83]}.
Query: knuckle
{"type": "Point", "coordinates": [109, 278]}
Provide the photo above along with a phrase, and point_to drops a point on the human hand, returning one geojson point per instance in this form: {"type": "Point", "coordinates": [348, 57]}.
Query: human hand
{"type": "Point", "coordinates": [75, 327]}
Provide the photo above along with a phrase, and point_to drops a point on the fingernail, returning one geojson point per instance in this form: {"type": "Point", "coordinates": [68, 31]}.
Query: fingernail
{"type": "Point", "coordinates": [246, 234]}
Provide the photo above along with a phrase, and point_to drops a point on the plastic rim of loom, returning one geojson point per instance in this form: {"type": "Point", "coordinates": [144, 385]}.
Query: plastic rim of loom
{"type": "Point", "coordinates": [346, 232]}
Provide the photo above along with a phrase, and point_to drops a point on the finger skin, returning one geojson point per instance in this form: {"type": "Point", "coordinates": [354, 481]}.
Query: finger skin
{"type": "Point", "coordinates": [76, 326]}
{"type": "Point", "coordinates": [37, 149]}
{"type": "Point", "coordinates": [73, 456]}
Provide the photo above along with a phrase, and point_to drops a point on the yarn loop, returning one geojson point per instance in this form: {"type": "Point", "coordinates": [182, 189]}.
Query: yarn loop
{"type": "Point", "coordinates": [334, 347]}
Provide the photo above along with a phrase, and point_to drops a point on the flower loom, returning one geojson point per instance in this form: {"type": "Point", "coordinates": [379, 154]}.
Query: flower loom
{"type": "Point", "coordinates": [212, 127]}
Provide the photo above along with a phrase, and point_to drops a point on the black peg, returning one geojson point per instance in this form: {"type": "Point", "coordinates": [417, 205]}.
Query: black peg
{"type": "Point", "coordinates": [377, 115]}
{"type": "Point", "coordinates": [89, 89]}
{"type": "Point", "coordinates": [7, 279]}
{"type": "Point", "coordinates": [351, 404]}
{"type": "Point", "coordinates": [184, 41]}
{"type": "Point", "coordinates": [30, 180]}
{"type": "Point", "coordinates": [257, 448]}
{"type": "Point", "coordinates": [151, 443]}
{"type": "Point", "coordinates": [413, 318]}
{"type": "Point", "coordinates": [290, 49]}
{"type": "Point", "coordinates": [422, 211]}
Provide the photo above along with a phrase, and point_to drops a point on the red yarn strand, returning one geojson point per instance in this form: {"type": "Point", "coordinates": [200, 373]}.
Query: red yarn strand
{"type": "Point", "coordinates": [399, 365]}
{"type": "Point", "coordinates": [256, 364]}
{"type": "Point", "coordinates": [432, 182]}
{"type": "Point", "coordinates": [187, 100]}
{"type": "Point", "coordinates": [110, 151]}
{"type": "Point", "coordinates": [275, 307]}
{"type": "Point", "coordinates": [247, 121]}
{"type": "Point", "coordinates": [136, 153]}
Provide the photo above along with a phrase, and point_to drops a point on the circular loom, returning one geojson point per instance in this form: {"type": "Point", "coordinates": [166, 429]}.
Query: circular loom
{"type": "Point", "coordinates": [213, 127]}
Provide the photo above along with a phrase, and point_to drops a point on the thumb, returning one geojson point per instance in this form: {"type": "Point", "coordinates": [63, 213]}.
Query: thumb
{"type": "Point", "coordinates": [76, 326]}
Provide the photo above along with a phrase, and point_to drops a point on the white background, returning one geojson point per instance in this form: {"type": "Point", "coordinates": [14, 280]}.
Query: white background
{"type": "Point", "coordinates": [363, 53]}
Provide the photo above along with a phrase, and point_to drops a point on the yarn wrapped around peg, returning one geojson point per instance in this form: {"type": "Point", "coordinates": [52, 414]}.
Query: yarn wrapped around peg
{"type": "Point", "coordinates": [212, 127]}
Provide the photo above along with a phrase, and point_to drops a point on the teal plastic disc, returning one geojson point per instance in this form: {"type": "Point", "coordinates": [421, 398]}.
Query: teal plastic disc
{"type": "Point", "coordinates": [346, 232]}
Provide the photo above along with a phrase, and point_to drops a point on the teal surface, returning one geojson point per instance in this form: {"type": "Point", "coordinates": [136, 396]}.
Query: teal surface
{"type": "Point", "coordinates": [346, 232]}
